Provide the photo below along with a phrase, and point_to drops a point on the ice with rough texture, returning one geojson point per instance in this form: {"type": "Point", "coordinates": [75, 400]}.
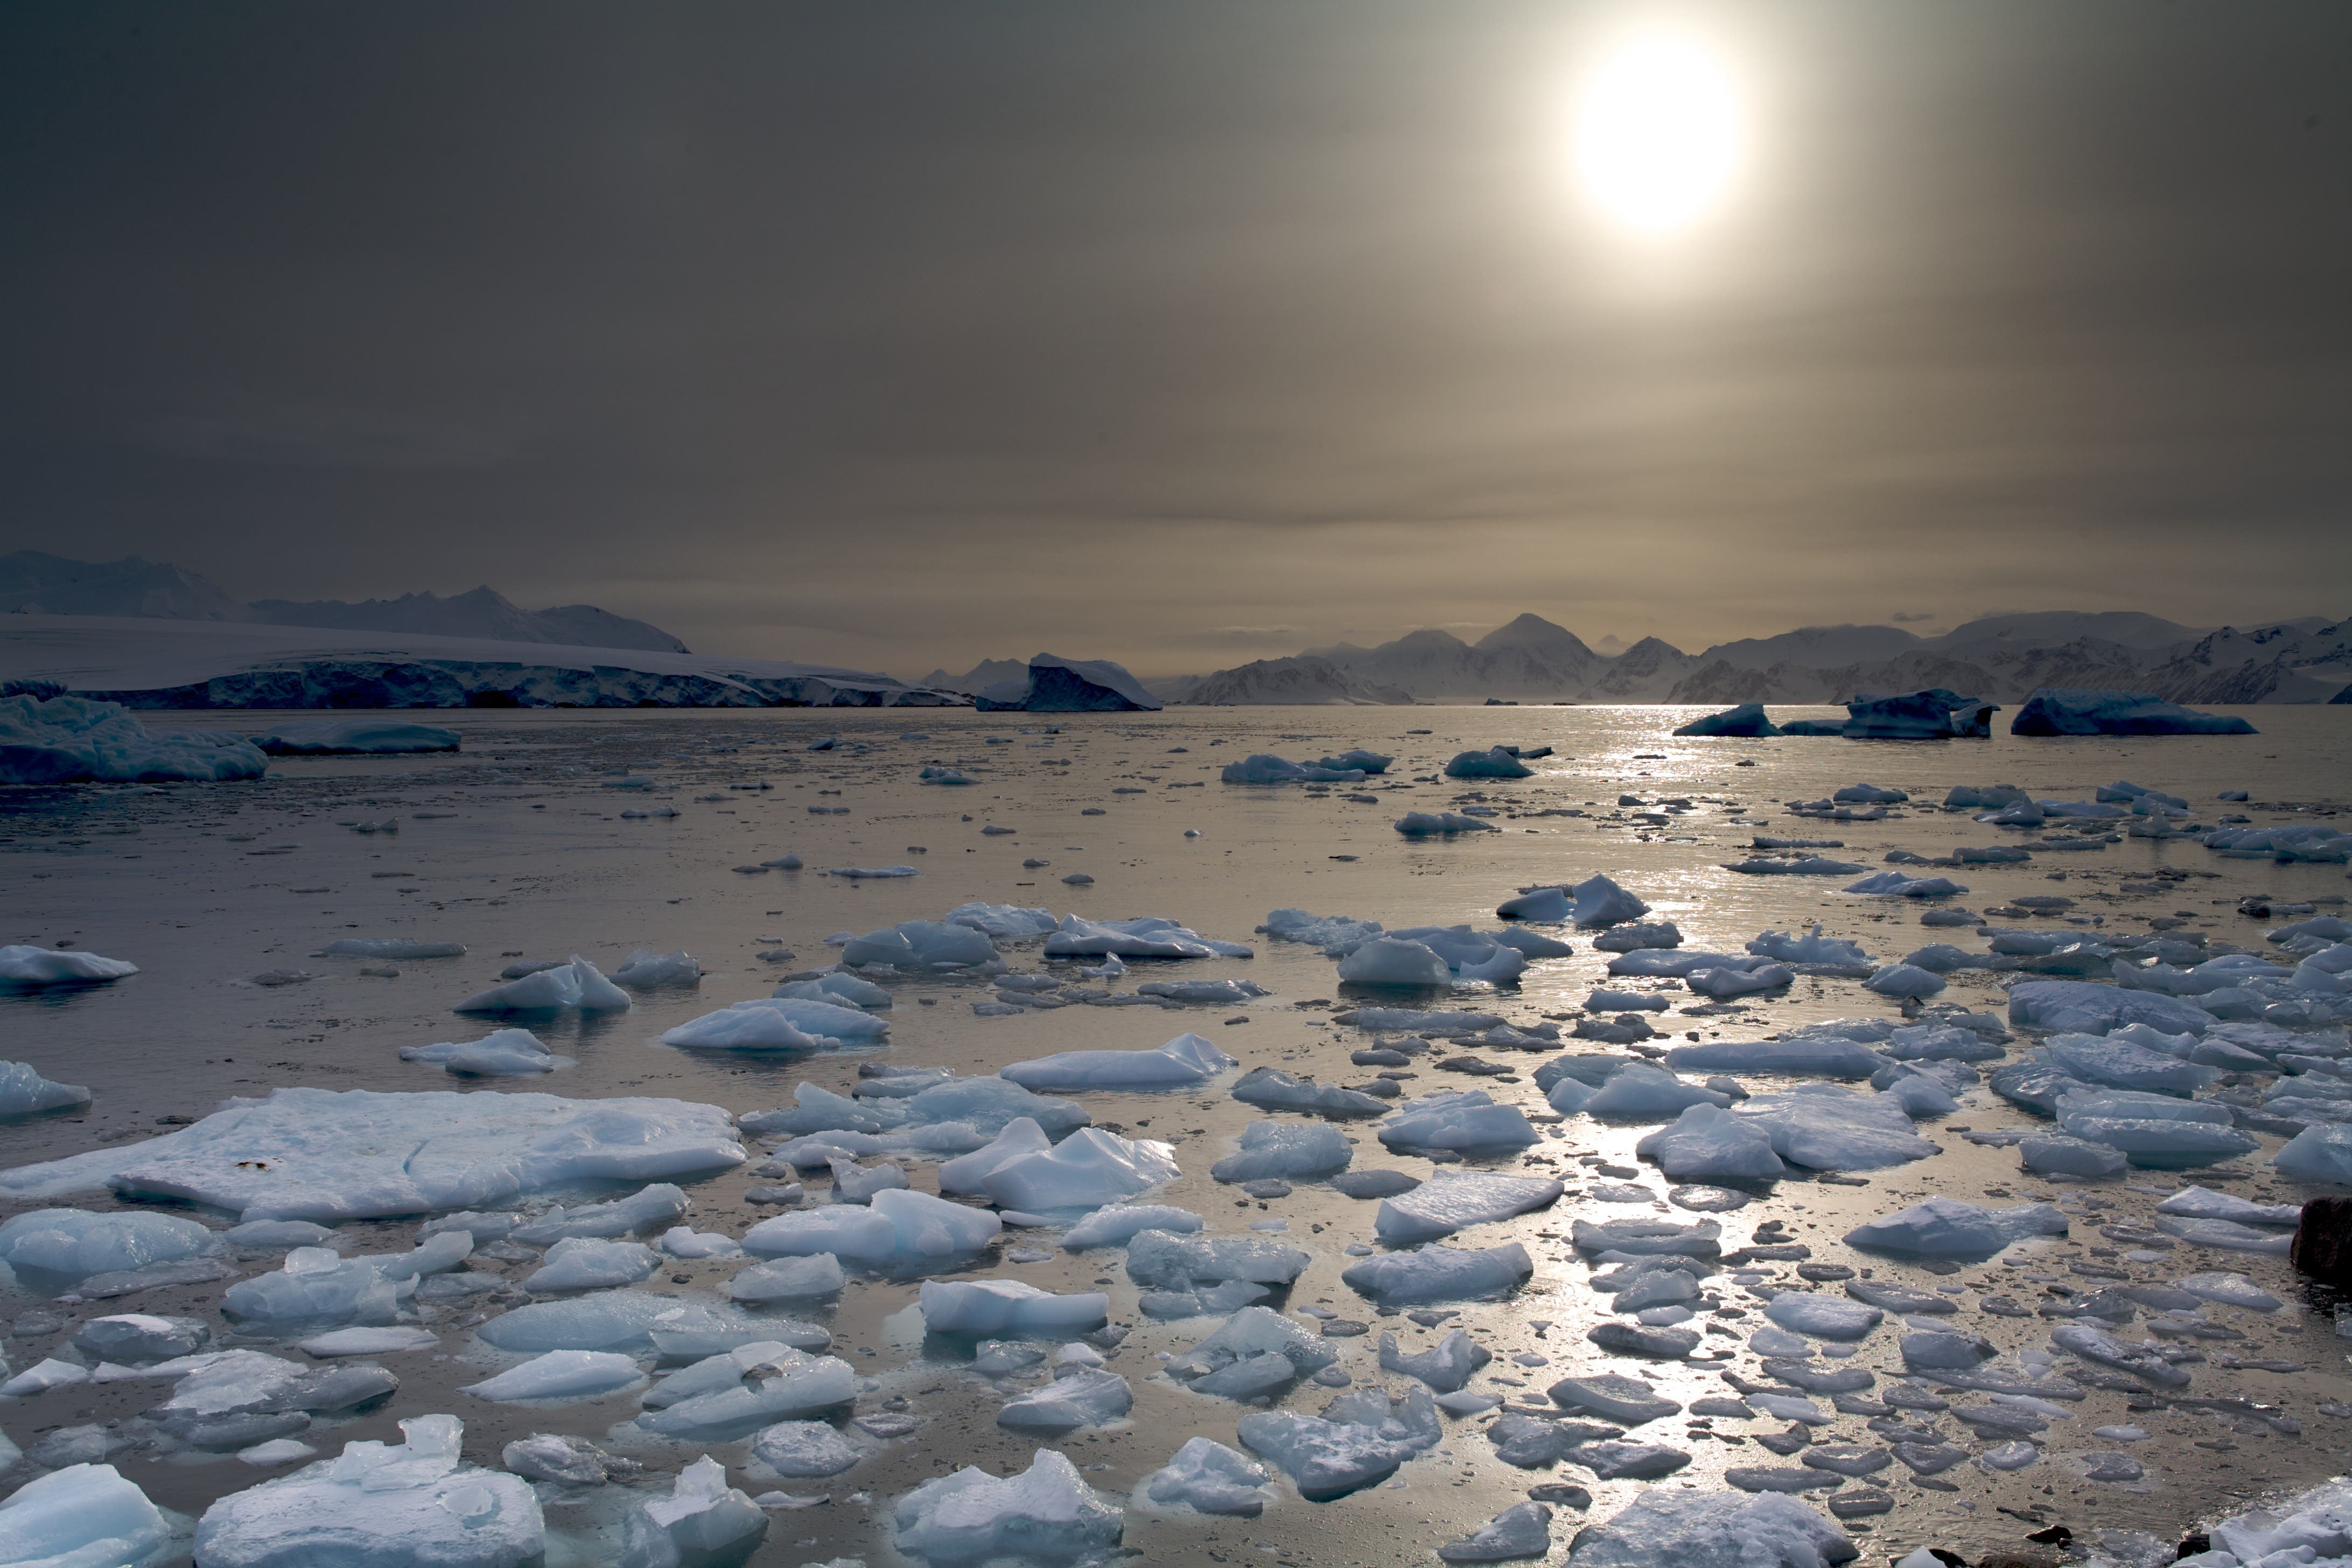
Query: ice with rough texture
{"type": "Point", "coordinates": [503, 1053]}
{"type": "Point", "coordinates": [1449, 1202]}
{"type": "Point", "coordinates": [1360, 1438]}
{"type": "Point", "coordinates": [412, 1504]}
{"type": "Point", "coordinates": [1266, 768]}
{"type": "Point", "coordinates": [920, 945]}
{"type": "Point", "coordinates": [1396, 962]}
{"type": "Point", "coordinates": [1181, 1063]}
{"type": "Point", "coordinates": [1088, 1397]}
{"type": "Point", "coordinates": [2061, 710]}
{"type": "Point", "coordinates": [788, 1279]}
{"type": "Point", "coordinates": [1056, 685]}
{"type": "Point", "coordinates": [800, 1450]}
{"type": "Point", "coordinates": [1823, 1317]}
{"type": "Point", "coordinates": [1435, 1273]}
{"type": "Point", "coordinates": [28, 968]}
{"type": "Point", "coordinates": [1465, 1120]}
{"type": "Point", "coordinates": [593, 1263]}
{"type": "Point", "coordinates": [72, 1244]}
{"type": "Point", "coordinates": [734, 1392]}
{"type": "Point", "coordinates": [703, 1522]}
{"type": "Point", "coordinates": [1496, 763]}
{"type": "Point", "coordinates": [1949, 1228]}
{"type": "Point", "coordinates": [2080, 1007]}
{"type": "Point", "coordinates": [1287, 1151]}
{"type": "Point", "coordinates": [1521, 1530]}
{"type": "Point", "coordinates": [1895, 885]}
{"type": "Point", "coordinates": [1046, 1511]}
{"type": "Point", "coordinates": [1670, 1528]}
{"type": "Point", "coordinates": [72, 740]}
{"type": "Point", "coordinates": [1640, 1092]}
{"type": "Point", "coordinates": [895, 1224]}
{"type": "Point", "coordinates": [1209, 1478]}
{"type": "Point", "coordinates": [1822, 1127]}
{"type": "Point", "coordinates": [1707, 1143]}
{"type": "Point", "coordinates": [82, 1516]}
{"type": "Point", "coordinates": [1805, 1055]}
{"type": "Point", "coordinates": [1176, 1261]}
{"type": "Point", "coordinates": [1085, 1169]}
{"type": "Point", "coordinates": [1432, 823]}
{"type": "Point", "coordinates": [648, 969]}
{"type": "Point", "coordinates": [1150, 936]}
{"type": "Point", "coordinates": [2318, 1153]}
{"type": "Point", "coordinates": [779, 1024]}
{"type": "Point", "coordinates": [1445, 1367]}
{"type": "Point", "coordinates": [1114, 1225]}
{"type": "Point", "coordinates": [577, 986]}
{"type": "Point", "coordinates": [1008, 1306]}
{"type": "Point", "coordinates": [1271, 1089]}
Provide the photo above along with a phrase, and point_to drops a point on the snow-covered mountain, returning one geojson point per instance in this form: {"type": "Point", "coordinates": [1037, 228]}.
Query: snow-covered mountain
{"type": "Point", "coordinates": [33, 581]}
{"type": "Point", "coordinates": [1302, 679]}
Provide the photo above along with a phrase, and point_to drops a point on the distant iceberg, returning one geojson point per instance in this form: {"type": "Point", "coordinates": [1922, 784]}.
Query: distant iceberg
{"type": "Point", "coordinates": [2061, 710]}
{"type": "Point", "coordinates": [1056, 685]}
{"type": "Point", "coordinates": [48, 738]}
{"type": "Point", "coordinates": [1929, 715]}
{"type": "Point", "coordinates": [1748, 718]}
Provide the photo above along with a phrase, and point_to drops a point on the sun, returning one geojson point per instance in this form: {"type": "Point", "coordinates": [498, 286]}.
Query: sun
{"type": "Point", "coordinates": [1660, 132]}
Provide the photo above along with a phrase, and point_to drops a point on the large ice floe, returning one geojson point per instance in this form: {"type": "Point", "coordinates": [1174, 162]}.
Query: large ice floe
{"type": "Point", "coordinates": [71, 740]}
{"type": "Point", "coordinates": [1047, 1513]}
{"type": "Point", "coordinates": [380, 736]}
{"type": "Point", "coordinates": [326, 1154]}
{"type": "Point", "coordinates": [2059, 710]}
{"type": "Point", "coordinates": [1182, 1063]}
{"type": "Point", "coordinates": [380, 1505]}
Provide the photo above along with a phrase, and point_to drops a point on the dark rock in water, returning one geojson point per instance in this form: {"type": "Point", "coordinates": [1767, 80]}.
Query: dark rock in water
{"type": "Point", "coordinates": [2322, 1242]}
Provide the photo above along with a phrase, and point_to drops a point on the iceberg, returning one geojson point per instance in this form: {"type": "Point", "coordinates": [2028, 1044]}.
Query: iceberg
{"type": "Point", "coordinates": [1595, 902]}
{"type": "Point", "coordinates": [647, 970]}
{"type": "Point", "coordinates": [377, 736]}
{"type": "Point", "coordinates": [895, 1223]}
{"type": "Point", "coordinates": [82, 1516]}
{"type": "Point", "coordinates": [1183, 1062]}
{"type": "Point", "coordinates": [1046, 1513]}
{"type": "Point", "coordinates": [1003, 922]}
{"type": "Point", "coordinates": [60, 740]}
{"type": "Point", "coordinates": [1081, 1396]}
{"type": "Point", "coordinates": [1708, 1144]}
{"type": "Point", "coordinates": [799, 1450]}
{"type": "Point", "coordinates": [1640, 1092]}
{"type": "Point", "coordinates": [1008, 1307]}
{"type": "Point", "coordinates": [1179, 1261]}
{"type": "Point", "coordinates": [1464, 1120]}
{"type": "Point", "coordinates": [1497, 762]}
{"type": "Point", "coordinates": [70, 1244]}
{"type": "Point", "coordinates": [2079, 1006]}
{"type": "Point", "coordinates": [1114, 1225]}
{"type": "Point", "coordinates": [1436, 824]}
{"type": "Point", "coordinates": [380, 1506]}
{"type": "Point", "coordinates": [731, 1395]}
{"type": "Point", "coordinates": [1394, 961]}
{"type": "Point", "coordinates": [559, 1374]}
{"type": "Point", "coordinates": [1934, 714]}
{"type": "Point", "coordinates": [1895, 885]}
{"type": "Point", "coordinates": [1747, 720]}
{"type": "Point", "coordinates": [1801, 1055]}
{"type": "Point", "coordinates": [1949, 1228]}
{"type": "Point", "coordinates": [2059, 710]}
{"type": "Point", "coordinates": [589, 1263]}
{"type": "Point", "coordinates": [577, 986]}
{"type": "Point", "coordinates": [1287, 1151]}
{"type": "Point", "coordinates": [1264, 768]}
{"type": "Point", "coordinates": [1148, 937]}
{"type": "Point", "coordinates": [1360, 1438]}
{"type": "Point", "coordinates": [1085, 1169]}
{"type": "Point", "coordinates": [1054, 684]}
{"type": "Point", "coordinates": [24, 1092]}
{"type": "Point", "coordinates": [1435, 1273]}
{"type": "Point", "coordinates": [1668, 1528]}
{"type": "Point", "coordinates": [920, 944]}
{"type": "Point", "coordinates": [788, 1279]}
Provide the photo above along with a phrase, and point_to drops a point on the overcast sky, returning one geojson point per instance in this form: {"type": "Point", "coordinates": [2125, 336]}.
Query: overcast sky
{"type": "Point", "coordinates": [898, 334]}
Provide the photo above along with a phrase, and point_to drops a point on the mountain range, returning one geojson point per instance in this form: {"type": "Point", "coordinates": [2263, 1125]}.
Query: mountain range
{"type": "Point", "coordinates": [2003, 658]}
{"type": "Point", "coordinates": [33, 581]}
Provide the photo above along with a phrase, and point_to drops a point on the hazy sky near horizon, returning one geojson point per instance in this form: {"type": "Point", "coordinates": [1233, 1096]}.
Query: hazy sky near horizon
{"type": "Point", "coordinates": [1181, 333]}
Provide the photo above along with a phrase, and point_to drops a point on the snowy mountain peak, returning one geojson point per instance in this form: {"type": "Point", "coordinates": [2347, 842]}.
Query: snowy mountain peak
{"type": "Point", "coordinates": [34, 583]}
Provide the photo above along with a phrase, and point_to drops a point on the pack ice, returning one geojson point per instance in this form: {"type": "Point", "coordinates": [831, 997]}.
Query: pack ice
{"type": "Point", "coordinates": [380, 1506]}
{"type": "Point", "coordinates": [325, 1154]}
{"type": "Point", "coordinates": [71, 740]}
{"type": "Point", "coordinates": [1665, 1528]}
{"type": "Point", "coordinates": [1949, 1228]}
{"type": "Point", "coordinates": [894, 1223]}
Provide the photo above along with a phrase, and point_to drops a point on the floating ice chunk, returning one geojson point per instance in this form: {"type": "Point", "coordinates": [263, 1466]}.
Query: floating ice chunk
{"type": "Point", "coordinates": [645, 1209]}
{"type": "Point", "coordinates": [24, 1092]}
{"type": "Point", "coordinates": [2058, 1154]}
{"type": "Point", "coordinates": [1148, 937]}
{"type": "Point", "coordinates": [1008, 1306]}
{"type": "Point", "coordinates": [1823, 1317]}
{"type": "Point", "coordinates": [1178, 1261]}
{"type": "Point", "coordinates": [559, 1374]}
{"type": "Point", "coordinates": [1745, 980]}
{"type": "Point", "coordinates": [1802, 1055]}
{"type": "Point", "coordinates": [989, 1105]}
{"type": "Point", "coordinates": [2095, 1345]}
{"type": "Point", "coordinates": [1336, 935]}
{"type": "Point", "coordinates": [683, 1241]}
{"type": "Point", "coordinates": [135, 1338]}
{"type": "Point", "coordinates": [1933, 715]}
{"type": "Point", "coordinates": [1462, 1121]}
{"type": "Point", "coordinates": [1603, 1000]}
{"type": "Point", "coordinates": [1708, 1143]}
{"type": "Point", "coordinates": [2077, 1006]}
{"type": "Point", "coordinates": [1435, 1273]}
{"type": "Point", "coordinates": [31, 967]}
{"type": "Point", "coordinates": [1088, 1397]}
{"type": "Point", "coordinates": [2203, 1203]}
{"type": "Point", "coordinates": [854, 1183]}
{"type": "Point", "coordinates": [1114, 1224]}
{"type": "Point", "coordinates": [2229, 1290]}
{"type": "Point", "coordinates": [72, 1244]}
{"type": "Point", "coordinates": [585, 1263]}
{"type": "Point", "coordinates": [1449, 1202]}
{"type": "Point", "coordinates": [1747, 720]}
{"type": "Point", "coordinates": [734, 1393]}
{"type": "Point", "coordinates": [800, 1450]}
{"type": "Point", "coordinates": [788, 1279]}
{"type": "Point", "coordinates": [1003, 922]}
{"type": "Point", "coordinates": [1948, 1227]}
{"type": "Point", "coordinates": [82, 1516]}
{"type": "Point", "coordinates": [1209, 1478]}
{"type": "Point", "coordinates": [1666, 1527]}
{"type": "Point", "coordinates": [1266, 768]}
{"type": "Point", "coordinates": [1521, 1530]}
{"type": "Point", "coordinates": [841, 989]}
{"type": "Point", "coordinates": [1286, 1151]}
{"type": "Point", "coordinates": [1445, 1367]}
{"type": "Point", "coordinates": [1825, 1127]}
{"type": "Point", "coordinates": [69, 740]}
{"type": "Point", "coordinates": [779, 1024]}
{"type": "Point", "coordinates": [1250, 1336]}
{"type": "Point", "coordinates": [42, 1376]}
{"type": "Point", "coordinates": [1792, 866]}
{"type": "Point", "coordinates": [1895, 885]}
{"type": "Point", "coordinates": [1905, 980]}
{"type": "Point", "coordinates": [1496, 763]}
{"type": "Point", "coordinates": [1046, 1511]}
{"type": "Point", "coordinates": [315, 1287]}
{"type": "Point", "coordinates": [1812, 950]}
{"type": "Point", "coordinates": [703, 1521]}
{"type": "Point", "coordinates": [1085, 1169]}
{"type": "Point", "coordinates": [1411, 1020]}
{"type": "Point", "coordinates": [1228, 992]}
{"type": "Point", "coordinates": [1274, 1090]}
{"type": "Point", "coordinates": [503, 1053]}
{"type": "Point", "coordinates": [646, 970]}
{"type": "Point", "coordinates": [1432, 824]}
{"type": "Point", "coordinates": [380, 1506]}
{"type": "Point", "coordinates": [575, 986]}
{"type": "Point", "coordinates": [2061, 710]}
{"type": "Point", "coordinates": [609, 1321]}
{"type": "Point", "coordinates": [1640, 1092]}
{"type": "Point", "coordinates": [389, 1340]}
{"type": "Point", "coordinates": [1394, 961]}
{"type": "Point", "coordinates": [1360, 1438]}
{"type": "Point", "coordinates": [319, 737]}
{"type": "Point", "coordinates": [1182, 1062]}
{"type": "Point", "coordinates": [921, 945]}
{"type": "Point", "coordinates": [1021, 1137]}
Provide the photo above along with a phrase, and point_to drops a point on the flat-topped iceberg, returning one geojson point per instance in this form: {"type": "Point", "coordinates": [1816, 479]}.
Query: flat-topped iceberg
{"type": "Point", "coordinates": [2080, 1007]}
{"type": "Point", "coordinates": [734, 1392]}
{"type": "Point", "coordinates": [327, 1154]}
{"type": "Point", "coordinates": [1746, 720]}
{"type": "Point", "coordinates": [1182, 1062]}
{"type": "Point", "coordinates": [2064, 711]}
{"type": "Point", "coordinates": [1008, 1307]}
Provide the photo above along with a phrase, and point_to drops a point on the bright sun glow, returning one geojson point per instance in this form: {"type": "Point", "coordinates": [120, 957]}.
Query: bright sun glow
{"type": "Point", "coordinates": [1659, 132]}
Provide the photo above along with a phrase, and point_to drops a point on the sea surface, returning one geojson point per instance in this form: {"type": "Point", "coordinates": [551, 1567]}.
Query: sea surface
{"type": "Point", "coordinates": [516, 846]}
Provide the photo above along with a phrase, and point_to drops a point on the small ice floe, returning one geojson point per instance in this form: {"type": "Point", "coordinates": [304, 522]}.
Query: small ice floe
{"type": "Point", "coordinates": [1746, 720]}
{"type": "Point", "coordinates": [1362, 1437]}
{"type": "Point", "coordinates": [1497, 762]}
{"type": "Point", "coordinates": [31, 967]}
{"type": "Point", "coordinates": [1949, 1228]}
{"type": "Point", "coordinates": [577, 986]}
{"type": "Point", "coordinates": [781, 1022]}
{"type": "Point", "coordinates": [1264, 768]}
{"type": "Point", "coordinates": [1441, 824]}
{"type": "Point", "coordinates": [1286, 1151]}
{"type": "Point", "coordinates": [856, 872]}
{"type": "Point", "coordinates": [971, 1516]}
{"type": "Point", "coordinates": [504, 1053]}
{"type": "Point", "coordinates": [24, 1092]}
{"type": "Point", "coordinates": [1209, 1478]}
{"type": "Point", "coordinates": [1595, 902]}
{"type": "Point", "coordinates": [83, 1513]}
{"type": "Point", "coordinates": [1146, 937]}
{"type": "Point", "coordinates": [398, 949]}
{"type": "Point", "coordinates": [1089, 1168]}
{"type": "Point", "coordinates": [898, 1222]}
{"type": "Point", "coordinates": [1183, 1062]}
{"type": "Point", "coordinates": [1895, 885]}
